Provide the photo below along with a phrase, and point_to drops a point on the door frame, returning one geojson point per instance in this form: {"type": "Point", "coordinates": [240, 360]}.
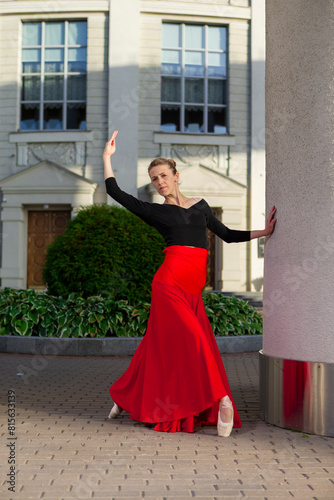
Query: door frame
{"type": "Point", "coordinates": [45, 208]}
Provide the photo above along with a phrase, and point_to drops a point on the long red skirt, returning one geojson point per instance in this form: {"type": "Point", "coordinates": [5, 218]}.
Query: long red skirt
{"type": "Point", "coordinates": [176, 376]}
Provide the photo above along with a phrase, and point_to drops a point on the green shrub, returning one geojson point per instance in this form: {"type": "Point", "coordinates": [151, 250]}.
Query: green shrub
{"type": "Point", "coordinates": [104, 250]}
{"type": "Point", "coordinates": [30, 313]}
{"type": "Point", "coordinates": [231, 316]}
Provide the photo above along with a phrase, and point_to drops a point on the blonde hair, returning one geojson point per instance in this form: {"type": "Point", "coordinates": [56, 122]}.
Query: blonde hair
{"type": "Point", "coordinates": [163, 161]}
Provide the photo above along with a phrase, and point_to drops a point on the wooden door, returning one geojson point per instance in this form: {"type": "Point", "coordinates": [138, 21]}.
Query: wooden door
{"type": "Point", "coordinates": [43, 229]}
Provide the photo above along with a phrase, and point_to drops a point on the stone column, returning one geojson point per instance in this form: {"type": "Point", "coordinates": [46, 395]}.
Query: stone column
{"type": "Point", "coordinates": [123, 105]}
{"type": "Point", "coordinates": [297, 362]}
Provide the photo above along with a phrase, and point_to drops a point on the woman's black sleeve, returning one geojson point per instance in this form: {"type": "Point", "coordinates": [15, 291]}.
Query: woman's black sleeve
{"type": "Point", "coordinates": [137, 207]}
{"type": "Point", "coordinates": [225, 233]}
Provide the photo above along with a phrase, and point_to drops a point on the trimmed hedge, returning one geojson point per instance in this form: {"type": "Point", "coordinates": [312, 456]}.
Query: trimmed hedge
{"type": "Point", "coordinates": [104, 250]}
{"type": "Point", "coordinates": [31, 313]}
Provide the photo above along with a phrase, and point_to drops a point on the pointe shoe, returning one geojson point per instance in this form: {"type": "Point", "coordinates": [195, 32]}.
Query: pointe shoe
{"type": "Point", "coordinates": [115, 411]}
{"type": "Point", "coordinates": [224, 429]}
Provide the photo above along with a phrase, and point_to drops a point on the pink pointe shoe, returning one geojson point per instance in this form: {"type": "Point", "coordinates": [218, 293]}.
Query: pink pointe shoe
{"type": "Point", "coordinates": [224, 429]}
{"type": "Point", "coordinates": [115, 411]}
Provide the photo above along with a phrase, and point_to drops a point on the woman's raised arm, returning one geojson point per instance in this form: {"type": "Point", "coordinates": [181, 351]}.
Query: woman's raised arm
{"type": "Point", "coordinates": [109, 150]}
{"type": "Point", "coordinates": [140, 208]}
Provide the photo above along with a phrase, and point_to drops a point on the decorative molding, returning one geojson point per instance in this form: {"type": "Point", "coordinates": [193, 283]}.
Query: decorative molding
{"type": "Point", "coordinates": [212, 9]}
{"type": "Point", "coordinates": [44, 189]}
{"type": "Point", "coordinates": [196, 9]}
{"type": "Point", "coordinates": [80, 153]}
{"type": "Point", "coordinates": [219, 172]}
{"type": "Point", "coordinates": [192, 155]}
{"type": "Point", "coordinates": [46, 136]}
{"type": "Point", "coordinates": [61, 153]}
{"type": "Point", "coordinates": [193, 139]}
{"type": "Point", "coordinates": [22, 154]}
{"type": "Point", "coordinates": [224, 159]}
{"type": "Point", "coordinates": [213, 156]}
{"type": "Point", "coordinates": [56, 6]}
{"type": "Point", "coordinates": [63, 148]}
{"type": "Point", "coordinates": [165, 150]}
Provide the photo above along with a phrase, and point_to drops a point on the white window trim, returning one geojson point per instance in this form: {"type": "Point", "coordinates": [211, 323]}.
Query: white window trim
{"type": "Point", "coordinates": [51, 136]}
{"type": "Point", "coordinates": [193, 139]}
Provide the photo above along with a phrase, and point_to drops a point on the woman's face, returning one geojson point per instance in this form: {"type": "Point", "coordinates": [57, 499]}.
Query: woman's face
{"type": "Point", "coordinates": [163, 179]}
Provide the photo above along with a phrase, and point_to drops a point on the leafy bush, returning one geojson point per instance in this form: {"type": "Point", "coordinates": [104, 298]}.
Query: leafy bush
{"type": "Point", "coordinates": [231, 316]}
{"type": "Point", "coordinates": [30, 313]}
{"type": "Point", "coordinates": [105, 250]}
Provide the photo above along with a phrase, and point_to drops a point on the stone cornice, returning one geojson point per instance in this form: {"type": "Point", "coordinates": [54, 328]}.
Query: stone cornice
{"type": "Point", "coordinates": [53, 7]}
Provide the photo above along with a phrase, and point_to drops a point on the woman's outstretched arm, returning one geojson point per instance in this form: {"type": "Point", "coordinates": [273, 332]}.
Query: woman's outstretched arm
{"type": "Point", "coordinates": [270, 225]}
{"type": "Point", "coordinates": [234, 235]}
{"type": "Point", "coordinates": [109, 150]}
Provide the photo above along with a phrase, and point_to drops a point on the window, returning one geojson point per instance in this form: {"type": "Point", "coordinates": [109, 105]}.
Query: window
{"type": "Point", "coordinates": [53, 91]}
{"type": "Point", "coordinates": [194, 78]}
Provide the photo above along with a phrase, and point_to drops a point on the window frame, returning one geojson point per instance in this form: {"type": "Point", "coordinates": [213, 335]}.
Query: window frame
{"type": "Point", "coordinates": [205, 105]}
{"type": "Point", "coordinates": [42, 73]}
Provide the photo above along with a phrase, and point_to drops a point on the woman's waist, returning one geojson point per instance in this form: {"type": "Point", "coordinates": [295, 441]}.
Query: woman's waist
{"type": "Point", "coordinates": [184, 267]}
{"type": "Point", "coordinates": [193, 252]}
{"type": "Point", "coordinates": [185, 236]}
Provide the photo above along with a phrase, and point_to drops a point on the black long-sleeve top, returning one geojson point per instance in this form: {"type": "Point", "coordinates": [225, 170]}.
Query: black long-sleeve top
{"type": "Point", "coordinates": [177, 225]}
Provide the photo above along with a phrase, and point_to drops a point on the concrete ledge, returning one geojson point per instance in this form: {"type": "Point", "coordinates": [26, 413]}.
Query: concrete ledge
{"type": "Point", "coordinates": [115, 346]}
{"type": "Point", "coordinates": [241, 343]}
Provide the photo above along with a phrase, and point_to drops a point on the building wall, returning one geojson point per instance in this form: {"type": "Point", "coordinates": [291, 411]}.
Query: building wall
{"type": "Point", "coordinates": [80, 150]}
{"type": "Point", "coordinates": [239, 88]}
{"type": "Point", "coordinates": [123, 93]}
{"type": "Point", "coordinates": [97, 96]}
{"type": "Point", "coordinates": [234, 214]}
{"type": "Point", "coordinates": [9, 60]}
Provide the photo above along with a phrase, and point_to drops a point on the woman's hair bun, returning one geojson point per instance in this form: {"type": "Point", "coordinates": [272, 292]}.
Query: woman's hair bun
{"type": "Point", "coordinates": [163, 161]}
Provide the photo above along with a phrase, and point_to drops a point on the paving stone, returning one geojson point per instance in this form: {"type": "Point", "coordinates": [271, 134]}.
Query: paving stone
{"type": "Point", "coordinates": [68, 449]}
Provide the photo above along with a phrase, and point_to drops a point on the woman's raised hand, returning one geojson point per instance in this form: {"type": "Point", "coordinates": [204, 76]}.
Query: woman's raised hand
{"type": "Point", "coordinates": [110, 146]}
{"type": "Point", "coordinates": [270, 223]}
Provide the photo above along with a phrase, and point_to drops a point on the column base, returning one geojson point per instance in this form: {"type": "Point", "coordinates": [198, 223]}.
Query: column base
{"type": "Point", "coordinates": [297, 395]}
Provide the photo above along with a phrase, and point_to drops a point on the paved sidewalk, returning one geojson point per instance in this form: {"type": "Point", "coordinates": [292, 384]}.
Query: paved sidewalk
{"type": "Point", "coordinates": [67, 449]}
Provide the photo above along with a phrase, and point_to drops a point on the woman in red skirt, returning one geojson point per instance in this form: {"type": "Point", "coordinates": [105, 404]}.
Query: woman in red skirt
{"type": "Point", "coordinates": [176, 379]}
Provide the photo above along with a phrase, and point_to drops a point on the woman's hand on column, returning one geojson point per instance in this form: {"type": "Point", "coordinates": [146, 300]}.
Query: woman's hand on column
{"type": "Point", "coordinates": [270, 223]}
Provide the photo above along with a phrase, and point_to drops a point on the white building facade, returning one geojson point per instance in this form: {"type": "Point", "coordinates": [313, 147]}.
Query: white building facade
{"type": "Point", "coordinates": [181, 79]}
